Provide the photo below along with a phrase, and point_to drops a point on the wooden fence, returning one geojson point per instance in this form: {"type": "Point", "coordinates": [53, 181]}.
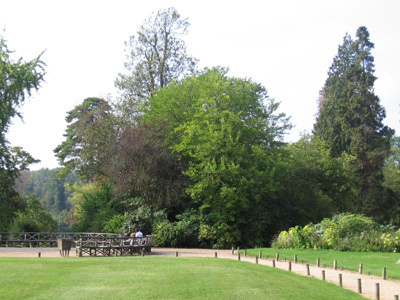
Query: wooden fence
{"type": "Point", "coordinates": [49, 239]}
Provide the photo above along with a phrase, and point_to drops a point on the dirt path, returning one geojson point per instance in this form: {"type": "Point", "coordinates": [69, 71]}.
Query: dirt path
{"type": "Point", "coordinates": [387, 288]}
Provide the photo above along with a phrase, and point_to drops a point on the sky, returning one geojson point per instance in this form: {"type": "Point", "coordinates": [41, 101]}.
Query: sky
{"type": "Point", "coordinates": [287, 46]}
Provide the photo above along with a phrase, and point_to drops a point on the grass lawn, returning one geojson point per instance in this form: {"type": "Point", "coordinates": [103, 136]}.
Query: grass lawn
{"type": "Point", "coordinates": [373, 262]}
{"type": "Point", "coordinates": [155, 278]}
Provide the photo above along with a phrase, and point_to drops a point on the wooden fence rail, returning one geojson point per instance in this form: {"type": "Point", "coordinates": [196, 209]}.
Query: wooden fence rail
{"type": "Point", "coordinates": [49, 239]}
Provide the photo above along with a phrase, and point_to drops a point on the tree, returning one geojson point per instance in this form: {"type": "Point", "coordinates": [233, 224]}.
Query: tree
{"type": "Point", "coordinates": [229, 138]}
{"type": "Point", "coordinates": [17, 81]}
{"type": "Point", "coordinates": [91, 129]}
{"type": "Point", "coordinates": [155, 57]}
{"type": "Point", "coordinates": [351, 119]}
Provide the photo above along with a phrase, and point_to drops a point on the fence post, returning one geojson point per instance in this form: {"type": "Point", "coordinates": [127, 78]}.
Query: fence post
{"type": "Point", "coordinates": [340, 280]}
{"type": "Point", "coordinates": [359, 286]}
{"type": "Point", "coordinates": [360, 269]}
{"type": "Point", "coordinates": [323, 274]}
{"type": "Point", "coordinates": [245, 252]}
{"type": "Point", "coordinates": [233, 250]}
{"type": "Point", "coordinates": [238, 255]}
{"type": "Point", "coordinates": [335, 264]}
{"type": "Point", "coordinates": [277, 256]}
{"type": "Point", "coordinates": [290, 266]}
{"type": "Point", "coordinates": [384, 273]}
{"type": "Point", "coordinates": [176, 254]}
{"type": "Point", "coordinates": [308, 269]}
{"type": "Point", "coordinates": [260, 254]}
{"type": "Point", "coordinates": [295, 258]}
{"type": "Point", "coordinates": [215, 255]}
{"type": "Point", "coordinates": [377, 291]}
{"type": "Point", "coordinates": [273, 263]}
{"type": "Point", "coordinates": [39, 254]}
{"type": "Point", "coordinates": [256, 259]}
{"type": "Point", "coordinates": [318, 262]}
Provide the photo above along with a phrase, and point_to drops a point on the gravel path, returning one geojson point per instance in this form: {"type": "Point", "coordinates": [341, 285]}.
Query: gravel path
{"type": "Point", "coordinates": [387, 288]}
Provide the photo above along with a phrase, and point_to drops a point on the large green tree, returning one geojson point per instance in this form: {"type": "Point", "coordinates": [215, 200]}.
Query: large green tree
{"type": "Point", "coordinates": [351, 120]}
{"type": "Point", "coordinates": [154, 57]}
{"type": "Point", "coordinates": [18, 79]}
{"type": "Point", "coordinates": [227, 131]}
{"type": "Point", "coordinates": [91, 129]}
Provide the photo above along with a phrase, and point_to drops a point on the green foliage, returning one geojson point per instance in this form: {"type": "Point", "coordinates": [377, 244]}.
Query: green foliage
{"type": "Point", "coordinates": [115, 224]}
{"type": "Point", "coordinates": [227, 131]}
{"type": "Point", "coordinates": [181, 233]}
{"type": "Point", "coordinates": [34, 218]}
{"type": "Point", "coordinates": [50, 190]}
{"type": "Point", "coordinates": [17, 82]}
{"type": "Point", "coordinates": [92, 207]}
{"type": "Point", "coordinates": [89, 133]}
{"type": "Point", "coordinates": [138, 214]}
{"type": "Point", "coordinates": [351, 120]}
{"type": "Point", "coordinates": [344, 232]}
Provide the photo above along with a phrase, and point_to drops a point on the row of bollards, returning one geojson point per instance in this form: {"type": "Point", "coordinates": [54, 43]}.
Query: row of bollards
{"type": "Point", "coordinates": [335, 267]}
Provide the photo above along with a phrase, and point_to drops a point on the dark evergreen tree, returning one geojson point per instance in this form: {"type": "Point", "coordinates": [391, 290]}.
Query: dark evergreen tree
{"type": "Point", "coordinates": [351, 120]}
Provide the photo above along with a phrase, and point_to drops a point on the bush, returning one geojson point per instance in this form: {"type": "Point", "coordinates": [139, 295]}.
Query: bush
{"type": "Point", "coordinates": [345, 232]}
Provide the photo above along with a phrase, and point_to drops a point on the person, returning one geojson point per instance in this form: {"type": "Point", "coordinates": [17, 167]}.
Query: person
{"type": "Point", "coordinates": [138, 233]}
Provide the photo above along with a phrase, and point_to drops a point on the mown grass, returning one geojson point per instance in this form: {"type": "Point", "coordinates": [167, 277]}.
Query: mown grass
{"type": "Point", "coordinates": [373, 262]}
{"type": "Point", "coordinates": [155, 278]}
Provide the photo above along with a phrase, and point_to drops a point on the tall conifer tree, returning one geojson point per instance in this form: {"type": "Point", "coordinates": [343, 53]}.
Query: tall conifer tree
{"type": "Point", "coordinates": [351, 119]}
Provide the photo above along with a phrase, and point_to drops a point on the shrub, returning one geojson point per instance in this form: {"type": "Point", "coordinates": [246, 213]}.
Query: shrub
{"type": "Point", "coordinates": [345, 232]}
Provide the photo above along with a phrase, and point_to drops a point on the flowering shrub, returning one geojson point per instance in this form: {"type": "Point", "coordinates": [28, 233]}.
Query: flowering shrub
{"type": "Point", "coordinates": [345, 232]}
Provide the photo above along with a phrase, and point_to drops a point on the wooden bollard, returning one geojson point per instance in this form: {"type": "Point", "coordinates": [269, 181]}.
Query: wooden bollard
{"type": "Point", "coordinates": [233, 250]}
{"type": "Point", "coordinates": [323, 274]}
{"type": "Point", "coordinates": [245, 252]}
{"type": "Point", "coordinates": [238, 256]}
{"type": "Point", "coordinates": [176, 254]}
{"type": "Point", "coordinates": [295, 258]}
{"type": "Point", "coordinates": [277, 256]}
{"type": "Point", "coordinates": [335, 264]}
{"type": "Point", "coordinates": [39, 254]}
{"type": "Point", "coordinates": [260, 254]}
{"type": "Point", "coordinates": [290, 266]}
{"type": "Point", "coordinates": [308, 269]}
{"type": "Point", "coordinates": [340, 280]}
{"type": "Point", "coordinates": [256, 259]}
{"type": "Point", "coordinates": [273, 263]}
{"type": "Point", "coordinates": [384, 273]}
{"type": "Point", "coordinates": [215, 255]}
{"type": "Point", "coordinates": [360, 269]}
{"type": "Point", "coordinates": [377, 293]}
{"type": "Point", "coordinates": [359, 285]}
{"type": "Point", "coordinates": [318, 262]}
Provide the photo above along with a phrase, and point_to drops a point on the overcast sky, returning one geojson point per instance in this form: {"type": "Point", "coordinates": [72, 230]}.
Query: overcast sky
{"type": "Point", "coordinates": [288, 46]}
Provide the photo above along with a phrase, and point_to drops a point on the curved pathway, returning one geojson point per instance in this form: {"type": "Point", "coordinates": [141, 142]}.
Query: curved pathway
{"type": "Point", "coordinates": [387, 288]}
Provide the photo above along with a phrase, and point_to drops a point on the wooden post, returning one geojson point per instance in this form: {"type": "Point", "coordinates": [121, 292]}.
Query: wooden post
{"type": "Point", "coordinates": [260, 254]}
{"type": "Point", "coordinates": [39, 254]}
{"type": "Point", "coordinates": [377, 291]}
{"type": "Point", "coordinates": [318, 262]}
{"type": "Point", "coordinates": [238, 255]}
{"type": "Point", "coordinates": [335, 264]}
{"type": "Point", "coordinates": [323, 274]}
{"type": "Point", "coordinates": [360, 269]}
{"type": "Point", "coordinates": [384, 273]}
{"type": "Point", "coordinates": [256, 259]}
{"type": "Point", "coordinates": [273, 263]}
{"type": "Point", "coordinates": [290, 266]}
{"type": "Point", "coordinates": [176, 254]}
{"type": "Point", "coordinates": [215, 255]}
{"type": "Point", "coordinates": [308, 269]}
{"type": "Point", "coordinates": [233, 250]}
{"type": "Point", "coordinates": [359, 286]}
{"type": "Point", "coordinates": [295, 258]}
{"type": "Point", "coordinates": [245, 252]}
{"type": "Point", "coordinates": [277, 256]}
{"type": "Point", "coordinates": [340, 280]}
